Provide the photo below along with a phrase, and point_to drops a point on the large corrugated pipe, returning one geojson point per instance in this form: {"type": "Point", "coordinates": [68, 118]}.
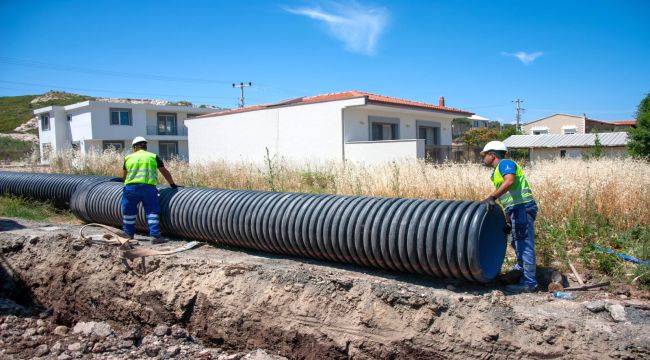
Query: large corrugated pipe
{"type": "Point", "coordinates": [450, 239]}
{"type": "Point", "coordinates": [56, 188]}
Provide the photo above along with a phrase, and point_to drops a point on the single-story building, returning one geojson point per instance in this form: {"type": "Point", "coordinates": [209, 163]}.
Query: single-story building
{"type": "Point", "coordinates": [349, 126]}
{"type": "Point", "coordinates": [546, 147]}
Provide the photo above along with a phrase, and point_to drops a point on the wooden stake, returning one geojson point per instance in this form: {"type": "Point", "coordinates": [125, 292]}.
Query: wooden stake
{"type": "Point", "coordinates": [575, 272]}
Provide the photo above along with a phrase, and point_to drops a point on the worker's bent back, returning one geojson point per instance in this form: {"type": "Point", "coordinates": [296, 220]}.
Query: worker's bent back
{"type": "Point", "coordinates": [141, 168]}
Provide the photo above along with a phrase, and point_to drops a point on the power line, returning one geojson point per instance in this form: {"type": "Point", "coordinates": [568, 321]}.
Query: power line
{"type": "Point", "coordinates": [91, 71]}
{"type": "Point", "coordinates": [51, 86]}
{"type": "Point", "coordinates": [241, 87]}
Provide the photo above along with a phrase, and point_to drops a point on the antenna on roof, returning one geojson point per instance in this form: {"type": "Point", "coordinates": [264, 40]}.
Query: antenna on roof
{"type": "Point", "coordinates": [241, 87]}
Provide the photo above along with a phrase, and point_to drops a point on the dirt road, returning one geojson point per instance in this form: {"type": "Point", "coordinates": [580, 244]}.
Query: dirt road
{"type": "Point", "coordinates": [239, 301]}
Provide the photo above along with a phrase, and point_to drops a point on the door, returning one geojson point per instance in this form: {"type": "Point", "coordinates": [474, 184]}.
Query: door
{"type": "Point", "coordinates": [167, 124]}
{"type": "Point", "coordinates": [430, 135]}
{"type": "Point", "coordinates": [168, 149]}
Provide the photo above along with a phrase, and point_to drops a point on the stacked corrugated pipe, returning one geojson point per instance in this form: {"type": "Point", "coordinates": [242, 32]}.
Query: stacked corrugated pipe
{"type": "Point", "coordinates": [449, 239]}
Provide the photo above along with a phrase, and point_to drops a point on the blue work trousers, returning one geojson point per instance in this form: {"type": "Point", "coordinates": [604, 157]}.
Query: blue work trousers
{"type": "Point", "coordinates": [522, 218]}
{"type": "Point", "coordinates": [134, 194]}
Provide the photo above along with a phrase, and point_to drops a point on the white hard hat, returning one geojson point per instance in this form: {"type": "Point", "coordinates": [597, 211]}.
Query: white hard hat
{"type": "Point", "coordinates": [138, 139]}
{"type": "Point", "coordinates": [494, 146]}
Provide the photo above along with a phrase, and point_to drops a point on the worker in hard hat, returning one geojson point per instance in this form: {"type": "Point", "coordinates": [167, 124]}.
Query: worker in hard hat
{"type": "Point", "coordinates": [513, 193]}
{"type": "Point", "coordinates": [140, 175]}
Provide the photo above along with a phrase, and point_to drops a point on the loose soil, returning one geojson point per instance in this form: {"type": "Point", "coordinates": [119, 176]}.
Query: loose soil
{"type": "Point", "coordinates": [232, 302]}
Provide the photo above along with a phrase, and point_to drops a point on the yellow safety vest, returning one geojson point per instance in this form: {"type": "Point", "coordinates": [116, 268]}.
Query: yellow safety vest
{"type": "Point", "coordinates": [141, 168]}
{"type": "Point", "coordinates": [519, 192]}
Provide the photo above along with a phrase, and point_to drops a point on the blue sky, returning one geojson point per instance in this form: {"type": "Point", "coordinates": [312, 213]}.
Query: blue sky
{"type": "Point", "coordinates": [558, 56]}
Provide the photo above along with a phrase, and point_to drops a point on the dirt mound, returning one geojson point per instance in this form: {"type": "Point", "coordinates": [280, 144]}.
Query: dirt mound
{"type": "Point", "coordinates": [241, 301]}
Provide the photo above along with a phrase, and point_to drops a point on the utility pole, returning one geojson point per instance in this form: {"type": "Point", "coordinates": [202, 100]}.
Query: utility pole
{"type": "Point", "coordinates": [241, 87]}
{"type": "Point", "coordinates": [520, 110]}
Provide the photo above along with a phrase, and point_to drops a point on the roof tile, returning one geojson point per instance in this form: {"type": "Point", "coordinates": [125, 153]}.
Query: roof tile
{"type": "Point", "coordinates": [352, 94]}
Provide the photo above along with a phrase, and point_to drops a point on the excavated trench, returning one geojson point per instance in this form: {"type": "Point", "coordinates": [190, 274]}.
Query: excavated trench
{"type": "Point", "coordinates": [241, 300]}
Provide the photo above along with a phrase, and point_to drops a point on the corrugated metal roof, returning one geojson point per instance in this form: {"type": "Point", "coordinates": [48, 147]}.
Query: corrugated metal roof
{"type": "Point", "coordinates": [571, 140]}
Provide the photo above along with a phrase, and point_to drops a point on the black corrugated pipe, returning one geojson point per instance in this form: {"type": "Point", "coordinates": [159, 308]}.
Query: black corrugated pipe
{"type": "Point", "coordinates": [450, 239]}
{"type": "Point", "coordinates": [57, 188]}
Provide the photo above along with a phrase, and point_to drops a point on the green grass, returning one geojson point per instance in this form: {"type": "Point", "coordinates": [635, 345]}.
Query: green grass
{"type": "Point", "coordinates": [17, 207]}
{"type": "Point", "coordinates": [15, 110]}
{"type": "Point", "coordinates": [572, 239]}
{"type": "Point", "coordinates": [12, 149]}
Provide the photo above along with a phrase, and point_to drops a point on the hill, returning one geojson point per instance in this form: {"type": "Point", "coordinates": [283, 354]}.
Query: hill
{"type": "Point", "coordinates": [17, 110]}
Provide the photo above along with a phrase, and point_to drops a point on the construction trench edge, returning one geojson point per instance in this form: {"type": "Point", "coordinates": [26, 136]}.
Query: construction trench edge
{"type": "Point", "coordinates": [307, 309]}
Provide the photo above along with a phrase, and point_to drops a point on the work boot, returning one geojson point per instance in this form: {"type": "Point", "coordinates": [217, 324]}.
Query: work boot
{"type": "Point", "coordinates": [512, 276]}
{"type": "Point", "coordinates": [158, 240]}
{"type": "Point", "coordinates": [520, 289]}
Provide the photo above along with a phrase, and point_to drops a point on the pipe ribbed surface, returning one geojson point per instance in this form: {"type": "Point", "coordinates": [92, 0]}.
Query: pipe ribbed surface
{"type": "Point", "coordinates": [450, 239]}
{"type": "Point", "coordinates": [57, 188]}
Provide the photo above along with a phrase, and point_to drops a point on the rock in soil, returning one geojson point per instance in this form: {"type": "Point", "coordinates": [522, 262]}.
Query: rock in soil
{"type": "Point", "coordinates": [617, 311]}
{"type": "Point", "coordinates": [595, 306]}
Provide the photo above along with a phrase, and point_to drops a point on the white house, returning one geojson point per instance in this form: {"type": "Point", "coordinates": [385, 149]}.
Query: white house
{"type": "Point", "coordinates": [97, 125]}
{"type": "Point", "coordinates": [351, 125]}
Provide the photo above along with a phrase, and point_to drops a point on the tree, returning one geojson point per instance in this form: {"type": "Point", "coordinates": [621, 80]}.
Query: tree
{"type": "Point", "coordinates": [459, 126]}
{"type": "Point", "coordinates": [493, 124]}
{"type": "Point", "coordinates": [639, 144]}
{"type": "Point", "coordinates": [598, 148]}
{"type": "Point", "coordinates": [480, 136]}
{"type": "Point", "coordinates": [508, 131]}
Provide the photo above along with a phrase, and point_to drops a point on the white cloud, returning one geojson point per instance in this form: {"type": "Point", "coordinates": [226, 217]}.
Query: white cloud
{"type": "Point", "coordinates": [357, 26]}
{"type": "Point", "coordinates": [524, 57]}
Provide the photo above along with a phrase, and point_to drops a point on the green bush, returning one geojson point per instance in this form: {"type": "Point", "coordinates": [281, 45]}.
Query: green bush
{"type": "Point", "coordinates": [572, 240]}
{"type": "Point", "coordinates": [12, 149]}
{"type": "Point", "coordinates": [639, 144]}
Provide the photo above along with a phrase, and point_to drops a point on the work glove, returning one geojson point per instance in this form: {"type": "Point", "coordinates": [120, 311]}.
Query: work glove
{"type": "Point", "coordinates": [173, 186]}
{"type": "Point", "coordinates": [490, 202]}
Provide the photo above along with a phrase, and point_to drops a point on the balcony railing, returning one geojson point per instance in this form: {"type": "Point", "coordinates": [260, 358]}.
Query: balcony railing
{"type": "Point", "coordinates": [154, 130]}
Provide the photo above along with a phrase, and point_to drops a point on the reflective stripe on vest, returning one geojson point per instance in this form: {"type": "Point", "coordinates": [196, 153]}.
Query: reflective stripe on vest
{"type": "Point", "coordinates": [519, 192]}
{"type": "Point", "coordinates": [141, 168]}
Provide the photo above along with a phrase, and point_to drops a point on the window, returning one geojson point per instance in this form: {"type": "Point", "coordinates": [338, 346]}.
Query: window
{"type": "Point", "coordinates": [569, 131]}
{"type": "Point", "coordinates": [383, 128]}
{"type": "Point", "coordinates": [45, 122]}
{"type": "Point", "coordinates": [167, 124]}
{"type": "Point", "coordinates": [117, 145]}
{"type": "Point", "coordinates": [168, 149]}
{"type": "Point", "coordinates": [121, 117]}
{"type": "Point", "coordinates": [430, 135]}
{"type": "Point", "coordinates": [540, 132]}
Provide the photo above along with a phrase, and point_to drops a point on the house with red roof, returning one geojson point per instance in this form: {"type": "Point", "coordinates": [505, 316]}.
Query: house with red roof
{"type": "Point", "coordinates": [346, 126]}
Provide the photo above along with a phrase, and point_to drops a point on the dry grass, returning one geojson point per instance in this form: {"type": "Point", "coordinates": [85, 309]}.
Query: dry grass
{"type": "Point", "coordinates": [618, 190]}
{"type": "Point", "coordinates": [582, 202]}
